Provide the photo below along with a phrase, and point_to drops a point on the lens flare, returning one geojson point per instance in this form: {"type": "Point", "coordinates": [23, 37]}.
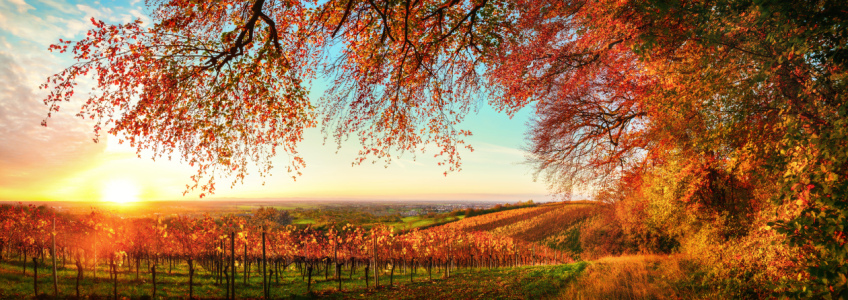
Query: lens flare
{"type": "Point", "coordinates": [119, 191]}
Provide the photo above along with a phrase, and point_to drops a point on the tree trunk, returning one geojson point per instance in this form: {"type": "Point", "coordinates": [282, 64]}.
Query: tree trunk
{"type": "Point", "coordinates": [392, 274]}
{"type": "Point", "coordinates": [227, 279]}
{"type": "Point", "coordinates": [366, 275]}
{"type": "Point", "coordinates": [326, 269]}
{"type": "Point", "coordinates": [352, 268]}
{"type": "Point", "coordinates": [153, 269]}
{"type": "Point", "coordinates": [35, 275]}
{"type": "Point", "coordinates": [430, 268]}
{"type": "Point", "coordinates": [309, 280]}
{"type": "Point", "coordinates": [339, 274]}
{"type": "Point", "coordinates": [190, 279]}
{"type": "Point", "coordinates": [114, 279]}
{"type": "Point", "coordinates": [79, 276]}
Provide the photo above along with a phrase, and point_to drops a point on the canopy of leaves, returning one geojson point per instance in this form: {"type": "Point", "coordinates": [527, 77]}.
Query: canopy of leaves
{"type": "Point", "coordinates": [701, 106]}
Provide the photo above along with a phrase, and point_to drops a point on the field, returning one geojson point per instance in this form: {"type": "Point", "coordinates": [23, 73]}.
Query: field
{"type": "Point", "coordinates": [506, 253]}
{"type": "Point", "coordinates": [483, 283]}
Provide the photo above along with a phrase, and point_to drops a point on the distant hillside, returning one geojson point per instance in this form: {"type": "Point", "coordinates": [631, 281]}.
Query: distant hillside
{"type": "Point", "coordinates": [556, 225]}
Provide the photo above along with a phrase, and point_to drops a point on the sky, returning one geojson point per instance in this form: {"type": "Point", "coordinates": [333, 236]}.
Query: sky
{"type": "Point", "coordinates": [61, 161]}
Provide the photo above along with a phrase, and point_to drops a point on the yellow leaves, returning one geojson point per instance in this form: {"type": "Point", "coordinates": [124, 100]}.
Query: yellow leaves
{"type": "Point", "coordinates": [831, 177]}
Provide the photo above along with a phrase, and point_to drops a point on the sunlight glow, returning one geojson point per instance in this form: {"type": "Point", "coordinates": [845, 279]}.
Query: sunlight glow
{"type": "Point", "coordinates": [119, 191]}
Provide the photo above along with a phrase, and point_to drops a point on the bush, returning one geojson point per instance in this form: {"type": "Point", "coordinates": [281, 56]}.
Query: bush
{"type": "Point", "coordinates": [602, 236]}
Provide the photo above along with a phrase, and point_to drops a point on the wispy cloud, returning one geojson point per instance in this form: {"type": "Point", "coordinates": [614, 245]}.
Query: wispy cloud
{"type": "Point", "coordinates": [25, 22]}
{"type": "Point", "coordinates": [492, 148]}
{"type": "Point", "coordinates": [32, 155]}
{"type": "Point", "coordinates": [61, 6]}
{"type": "Point", "coordinates": [20, 5]}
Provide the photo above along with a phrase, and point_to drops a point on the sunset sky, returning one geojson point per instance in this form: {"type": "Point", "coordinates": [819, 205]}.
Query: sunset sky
{"type": "Point", "coordinates": [60, 162]}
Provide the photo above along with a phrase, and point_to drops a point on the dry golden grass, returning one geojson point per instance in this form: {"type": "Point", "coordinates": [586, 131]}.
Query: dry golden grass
{"type": "Point", "coordinates": [635, 277]}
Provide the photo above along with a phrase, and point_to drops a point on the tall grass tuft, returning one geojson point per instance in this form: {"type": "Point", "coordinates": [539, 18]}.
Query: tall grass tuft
{"type": "Point", "coordinates": [638, 277]}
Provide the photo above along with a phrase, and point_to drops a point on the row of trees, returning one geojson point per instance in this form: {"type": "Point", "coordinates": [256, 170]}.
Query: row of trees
{"type": "Point", "coordinates": [93, 240]}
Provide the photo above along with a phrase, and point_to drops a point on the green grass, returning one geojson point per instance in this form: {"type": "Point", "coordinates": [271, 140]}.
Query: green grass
{"type": "Point", "coordinates": [303, 221]}
{"type": "Point", "coordinates": [502, 283]}
{"type": "Point", "coordinates": [530, 282]}
{"type": "Point", "coordinates": [412, 222]}
{"type": "Point", "coordinates": [421, 221]}
{"type": "Point", "coordinates": [549, 281]}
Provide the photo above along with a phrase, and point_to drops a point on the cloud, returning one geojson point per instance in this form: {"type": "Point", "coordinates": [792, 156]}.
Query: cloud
{"type": "Point", "coordinates": [104, 13]}
{"type": "Point", "coordinates": [137, 14]}
{"type": "Point", "coordinates": [40, 26]}
{"type": "Point", "coordinates": [33, 156]}
{"type": "Point", "coordinates": [492, 148]}
{"type": "Point", "coordinates": [28, 26]}
{"type": "Point", "coordinates": [59, 6]}
{"type": "Point", "coordinates": [20, 5]}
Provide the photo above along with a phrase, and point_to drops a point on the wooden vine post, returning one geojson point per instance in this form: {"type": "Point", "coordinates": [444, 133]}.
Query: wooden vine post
{"type": "Point", "coordinates": [53, 255]}
{"type": "Point", "coordinates": [233, 263]}
{"type": "Point", "coordinates": [376, 267]}
{"type": "Point", "coordinates": [264, 268]}
{"type": "Point", "coordinates": [95, 255]}
{"type": "Point", "coordinates": [338, 269]}
{"type": "Point", "coordinates": [24, 261]}
{"type": "Point", "coordinates": [245, 263]}
{"type": "Point", "coordinates": [448, 263]}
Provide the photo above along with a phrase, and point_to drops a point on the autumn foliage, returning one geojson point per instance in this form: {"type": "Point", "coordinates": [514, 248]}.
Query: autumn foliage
{"type": "Point", "coordinates": [708, 124]}
{"type": "Point", "coordinates": [207, 243]}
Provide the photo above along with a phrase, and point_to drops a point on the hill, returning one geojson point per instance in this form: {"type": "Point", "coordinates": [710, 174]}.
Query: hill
{"type": "Point", "coordinates": [554, 225]}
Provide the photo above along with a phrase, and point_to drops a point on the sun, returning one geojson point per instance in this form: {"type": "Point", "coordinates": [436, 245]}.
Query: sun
{"type": "Point", "coordinates": [119, 191]}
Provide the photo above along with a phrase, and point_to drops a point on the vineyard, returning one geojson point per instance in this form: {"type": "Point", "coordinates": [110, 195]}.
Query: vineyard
{"type": "Point", "coordinates": [230, 252]}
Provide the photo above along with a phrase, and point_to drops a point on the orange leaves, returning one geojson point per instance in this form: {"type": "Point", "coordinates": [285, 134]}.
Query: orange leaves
{"type": "Point", "coordinates": [182, 105]}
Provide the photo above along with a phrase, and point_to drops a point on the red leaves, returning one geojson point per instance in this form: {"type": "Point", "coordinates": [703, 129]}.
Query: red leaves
{"type": "Point", "coordinates": [181, 107]}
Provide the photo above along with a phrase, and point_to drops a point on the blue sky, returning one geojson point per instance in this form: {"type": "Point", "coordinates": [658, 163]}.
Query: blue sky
{"type": "Point", "coordinates": [61, 162]}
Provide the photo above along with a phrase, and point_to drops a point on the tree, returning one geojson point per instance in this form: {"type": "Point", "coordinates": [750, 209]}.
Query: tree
{"type": "Point", "coordinates": [729, 96]}
{"type": "Point", "coordinates": [222, 84]}
{"type": "Point", "coordinates": [269, 216]}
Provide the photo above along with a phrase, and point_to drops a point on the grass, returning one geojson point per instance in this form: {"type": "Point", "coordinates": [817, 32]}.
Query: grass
{"type": "Point", "coordinates": [422, 221]}
{"type": "Point", "coordinates": [500, 283]}
{"type": "Point", "coordinates": [303, 221]}
{"type": "Point", "coordinates": [545, 282]}
{"type": "Point", "coordinates": [638, 277]}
